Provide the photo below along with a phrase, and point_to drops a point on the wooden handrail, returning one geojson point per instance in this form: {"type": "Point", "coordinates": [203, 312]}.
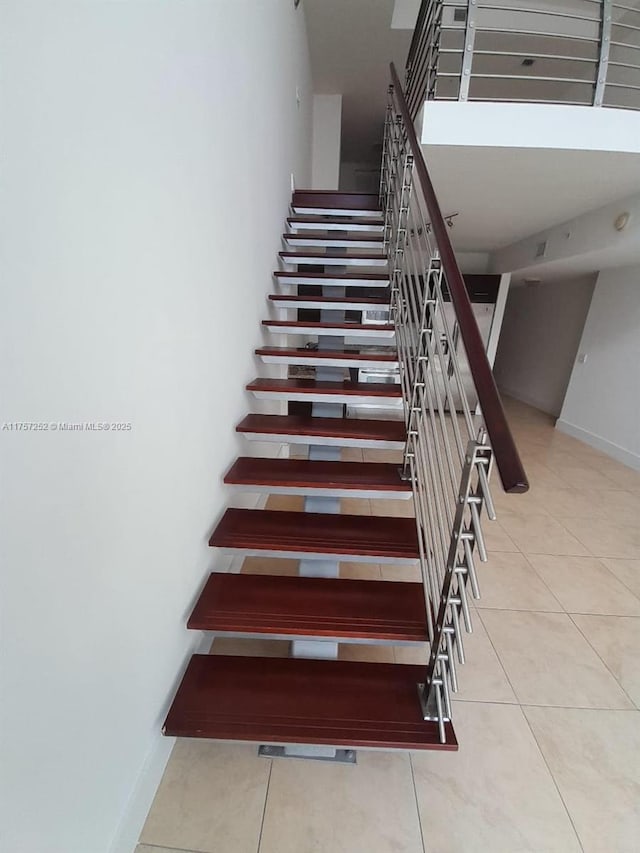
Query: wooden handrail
{"type": "Point", "coordinates": [505, 453]}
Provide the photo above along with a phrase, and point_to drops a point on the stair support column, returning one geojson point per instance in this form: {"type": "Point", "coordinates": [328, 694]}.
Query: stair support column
{"type": "Point", "coordinates": [324, 649]}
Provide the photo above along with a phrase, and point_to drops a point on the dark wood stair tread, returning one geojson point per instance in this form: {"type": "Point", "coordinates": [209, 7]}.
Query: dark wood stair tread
{"type": "Point", "coordinates": [338, 428]}
{"type": "Point", "coordinates": [320, 219]}
{"type": "Point", "coordinates": [348, 276]}
{"type": "Point", "coordinates": [369, 327]}
{"type": "Point", "coordinates": [336, 199]}
{"type": "Point", "coordinates": [300, 473]}
{"type": "Point", "coordinates": [346, 353]}
{"type": "Point", "coordinates": [317, 253]}
{"type": "Point", "coordinates": [311, 386]}
{"type": "Point", "coordinates": [337, 300]}
{"type": "Point", "coordinates": [375, 238]}
{"type": "Point", "coordinates": [311, 607]}
{"type": "Point", "coordinates": [317, 533]}
{"type": "Point", "coordinates": [298, 700]}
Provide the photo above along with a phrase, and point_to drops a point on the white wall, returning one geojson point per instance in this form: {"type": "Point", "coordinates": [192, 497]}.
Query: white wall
{"type": "Point", "coordinates": [327, 129]}
{"type": "Point", "coordinates": [602, 406]}
{"type": "Point", "coordinates": [591, 240]}
{"type": "Point", "coordinates": [147, 153]}
{"type": "Point", "coordinates": [540, 334]}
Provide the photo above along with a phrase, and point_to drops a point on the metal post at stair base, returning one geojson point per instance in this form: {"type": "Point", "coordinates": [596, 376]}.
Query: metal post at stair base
{"type": "Point", "coordinates": [318, 753]}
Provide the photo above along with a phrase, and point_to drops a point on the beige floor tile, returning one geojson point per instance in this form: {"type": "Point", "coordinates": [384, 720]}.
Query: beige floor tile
{"type": "Point", "coordinates": [317, 807]}
{"type": "Point", "coordinates": [481, 678]}
{"type": "Point", "coordinates": [604, 538]}
{"type": "Point", "coordinates": [533, 502]}
{"type": "Point", "coordinates": [393, 509]}
{"type": "Point", "coordinates": [627, 571]}
{"type": "Point", "coordinates": [549, 662]}
{"type": "Point", "coordinates": [620, 507]}
{"type": "Point", "coordinates": [617, 640]}
{"type": "Point", "coordinates": [355, 506]}
{"type": "Point", "coordinates": [351, 454]}
{"type": "Point", "coordinates": [394, 456]}
{"type": "Point", "coordinates": [496, 537]}
{"type": "Point", "coordinates": [585, 585]}
{"type": "Point", "coordinates": [211, 798]}
{"type": "Point", "coordinates": [540, 534]}
{"type": "Point", "coordinates": [269, 566]}
{"type": "Point", "coordinates": [572, 503]}
{"type": "Point", "coordinates": [409, 574]}
{"type": "Point", "coordinates": [622, 475]}
{"type": "Point", "coordinates": [495, 795]}
{"type": "Point", "coordinates": [583, 476]}
{"type": "Point", "coordinates": [252, 648]}
{"type": "Point", "coordinates": [361, 571]}
{"type": "Point", "coordinates": [146, 848]}
{"type": "Point", "coordinates": [595, 759]}
{"type": "Point", "coordinates": [366, 652]}
{"type": "Point", "coordinates": [285, 503]}
{"type": "Point", "coordinates": [543, 476]}
{"type": "Point", "coordinates": [508, 582]}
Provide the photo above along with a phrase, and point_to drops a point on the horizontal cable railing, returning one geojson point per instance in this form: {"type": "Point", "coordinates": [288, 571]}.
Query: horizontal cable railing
{"type": "Point", "coordinates": [456, 425]}
{"type": "Point", "coordinates": [583, 52]}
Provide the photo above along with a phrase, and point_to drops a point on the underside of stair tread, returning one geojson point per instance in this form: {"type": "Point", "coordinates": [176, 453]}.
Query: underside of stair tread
{"type": "Point", "coordinates": [317, 533]}
{"type": "Point", "coordinates": [297, 700]}
{"type": "Point", "coordinates": [336, 220]}
{"type": "Point", "coordinates": [345, 353]}
{"type": "Point", "coordinates": [311, 386]}
{"type": "Point", "coordinates": [318, 254]}
{"type": "Point", "coordinates": [344, 277]}
{"type": "Point", "coordinates": [299, 473]}
{"type": "Point", "coordinates": [294, 238]}
{"type": "Point", "coordinates": [343, 301]}
{"type": "Point", "coordinates": [352, 429]}
{"type": "Point", "coordinates": [374, 328]}
{"type": "Point", "coordinates": [311, 607]}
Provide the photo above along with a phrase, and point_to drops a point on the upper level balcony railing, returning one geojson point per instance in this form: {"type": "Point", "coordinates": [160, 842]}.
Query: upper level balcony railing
{"type": "Point", "coordinates": [584, 52]}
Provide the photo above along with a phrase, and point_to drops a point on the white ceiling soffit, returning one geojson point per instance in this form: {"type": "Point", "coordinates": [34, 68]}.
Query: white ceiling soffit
{"type": "Point", "coordinates": [503, 195]}
{"type": "Point", "coordinates": [405, 14]}
{"type": "Point", "coordinates": [351, 44]}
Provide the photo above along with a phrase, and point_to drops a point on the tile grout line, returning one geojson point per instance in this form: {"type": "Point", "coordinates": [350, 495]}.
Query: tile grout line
{"type": "Point", "coordinates": [553, 778]}
{"type": "Point", "coordinates": [562, 612]}
{"type": "Point", "coordinates": [544, 583]}
{"type": "Point", "coordinates": [604, 663]}
{"type": "Point", "coordinates": [264, 808]}
{"type": "Point", "coordinates": [499, 659]}
{"type": "Point", "coordinates": [170, 849]}
{"type": "Point", "coordinates": [415, 794]}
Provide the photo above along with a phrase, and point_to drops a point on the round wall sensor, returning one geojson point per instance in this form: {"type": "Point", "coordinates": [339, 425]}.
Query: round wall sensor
{"type": "Point", "coordinates": [622, 221]}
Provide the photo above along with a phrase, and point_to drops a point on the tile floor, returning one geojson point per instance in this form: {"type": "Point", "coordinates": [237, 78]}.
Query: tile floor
{"type": "Point", "coordinates": [547, 715]}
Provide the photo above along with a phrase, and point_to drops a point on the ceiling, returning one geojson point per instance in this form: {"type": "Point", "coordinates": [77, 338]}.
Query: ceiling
{"type": "Point", "coordinates": [505, 194]}
{"type": "Point", "coordinates": [351, 44]}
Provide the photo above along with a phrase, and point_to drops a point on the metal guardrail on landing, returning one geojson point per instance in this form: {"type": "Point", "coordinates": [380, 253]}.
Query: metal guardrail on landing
{"type": "Point", "coordinates": [452, 443]}
{"type": "Point", "coordinates": [584, 52]}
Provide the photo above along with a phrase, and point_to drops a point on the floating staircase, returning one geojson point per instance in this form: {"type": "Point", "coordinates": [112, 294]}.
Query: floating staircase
{"type": "Point", "coordinates": [380, 269]}
{"type": "Point", "coordinates": [312, 699]}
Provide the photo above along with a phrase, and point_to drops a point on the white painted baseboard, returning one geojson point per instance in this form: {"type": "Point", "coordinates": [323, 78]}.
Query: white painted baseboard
{"type": "Point", "coordinates": [621, 454]}
{"type": "Point", "coordinates": [150, 775]}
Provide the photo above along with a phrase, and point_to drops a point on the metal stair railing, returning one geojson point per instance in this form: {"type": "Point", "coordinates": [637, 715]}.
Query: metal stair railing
{"type": "Point", "coordinates": [584, 52]}
{"type": "Point", "coordinates": [452, 443]}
